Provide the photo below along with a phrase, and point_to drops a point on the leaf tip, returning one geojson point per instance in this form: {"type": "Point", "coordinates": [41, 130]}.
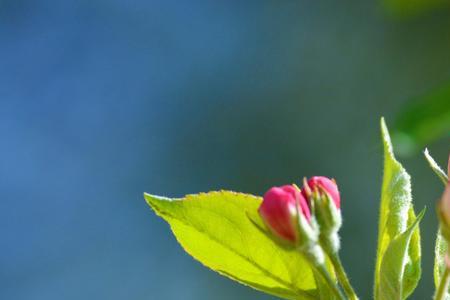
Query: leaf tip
{"type": "Point", "coordinates": [386, 137]}
{"type": "Point", "coordinates": [152, 200]}
{"type": "Point", "coordinates": [429, 158]}
{"type": "Point", "coordinates": [421, 214]}
{"type": "Point", "coordinates": [435, 167]}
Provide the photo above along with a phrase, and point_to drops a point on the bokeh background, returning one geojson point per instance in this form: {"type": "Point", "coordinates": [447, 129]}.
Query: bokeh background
{"type": "Point", "coordinates": [102, 100]}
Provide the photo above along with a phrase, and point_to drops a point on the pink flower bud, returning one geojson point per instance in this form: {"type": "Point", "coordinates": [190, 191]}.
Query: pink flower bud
{"type": "Point", "coordinates": [279, 211]}
{"type": "Point", "coordinates": [323, 183]}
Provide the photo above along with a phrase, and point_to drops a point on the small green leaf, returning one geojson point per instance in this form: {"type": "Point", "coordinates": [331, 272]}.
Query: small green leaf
{"type": "Point", "coordinates": [392, 284]}
{"type": "Point", "coordinates": [396, 216]}
{"type": "Point", "coordinates": [435, 167]}
{"type": "Point", "coordinates": [441, 245]}
{"type": "Point", "coordinates": [215, 229]}
{"type": "Point", "coordinates": [412, 269]}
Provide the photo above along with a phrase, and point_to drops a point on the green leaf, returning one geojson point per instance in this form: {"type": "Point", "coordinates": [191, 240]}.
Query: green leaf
{"type": "Point", "coordinates": [412, 268]}
{"type": "Point", "coordinates": [392, 271]}
{"type": "Point", "coordinates": [423, 120]}
{"type": "Point", "coordinates": [396, 216]}
{"type": "Point", "coordinates": [440, 250]}
{"type": "Point", "coordinates": [410, 8]}
{"type": "Point", "coordinates": [441, 245]}
{"type": "Point", "coordinates": [435, 167]}
{"type": "Point", "coordinates": [215, 229]}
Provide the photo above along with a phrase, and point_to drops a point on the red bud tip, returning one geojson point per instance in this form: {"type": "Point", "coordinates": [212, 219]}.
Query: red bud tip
{"type": "Point", "coordinates": [326, 184]}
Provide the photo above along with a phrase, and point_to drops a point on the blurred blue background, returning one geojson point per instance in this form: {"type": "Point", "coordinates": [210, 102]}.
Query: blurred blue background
{"type": "Point", "coordinates": [103, 100]}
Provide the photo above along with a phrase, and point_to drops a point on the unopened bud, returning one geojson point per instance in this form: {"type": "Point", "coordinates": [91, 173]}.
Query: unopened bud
{"type": "Point", "coordinates": [323, 196]}
{"type": "Point", "coordinates": [286, 214]}
{"type": "Point", "coordinates": [328, 185]}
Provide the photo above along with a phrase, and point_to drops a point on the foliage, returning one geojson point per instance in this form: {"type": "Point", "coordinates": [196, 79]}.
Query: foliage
{"type": "Point", "coordinates": [227, 232]}
{"type": "Point", "coordinates": [215, 229]}
{"type": "Point", "coordinates": [397, 271]}
{"type": "Point", "coordinates": [441, 245]}
{"type": "Point", "coordinates": [408, 8]}
{"type": "Point", "coordinates": [423, 121]}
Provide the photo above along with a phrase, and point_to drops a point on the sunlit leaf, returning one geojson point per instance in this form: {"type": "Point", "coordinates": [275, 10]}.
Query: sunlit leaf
{"type": "Point", "coordinates": [215, 229]}
{"type": "Point", "coordinates": [396, 215]}
{"type": "Point", "coordinates": [392, 283]}
{"type": "Point", "coordinates": [412, 269]}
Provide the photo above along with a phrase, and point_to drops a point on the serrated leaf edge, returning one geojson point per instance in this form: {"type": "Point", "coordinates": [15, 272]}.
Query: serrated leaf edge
{"type": "Point", "coordinates": [307, 295]}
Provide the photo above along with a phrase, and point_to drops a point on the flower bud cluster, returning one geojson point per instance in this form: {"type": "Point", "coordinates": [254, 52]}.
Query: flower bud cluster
{"type": "Point", "coordinates": [300, 217]}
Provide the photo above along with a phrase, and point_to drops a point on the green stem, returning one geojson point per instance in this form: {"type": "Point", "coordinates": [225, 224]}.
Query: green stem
{"type": "Point", "coordinates": [330, 282]}
{"type": "Point", "coordinates": [315, 256]}
{"type": "Point", "coordinates": [330, 243]}
{"type": "Point", "coordinates": [443, 285]}
{"type": "Point", "coordinates": [342, 276]}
